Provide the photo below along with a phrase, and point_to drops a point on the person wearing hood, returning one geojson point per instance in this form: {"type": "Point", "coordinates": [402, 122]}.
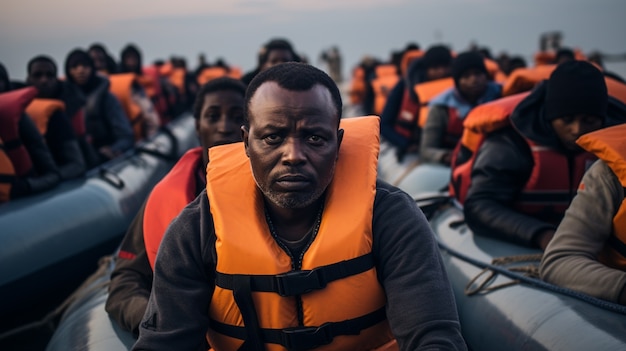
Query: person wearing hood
{"type": "Point", "coordinates": [103, 62]}
{"type": "Point", "coordinates": [525, 176]}
{"type": "Point", "coordinates": [106, 124]}
{"type": "Point", "coordinates": [50, 111]}
{"type": "Point", "coordinates": [277, 50]}
{"type": "Point", "coordinates": [444, 124]}
{"type": "Point", "coordinates": [398, 122]}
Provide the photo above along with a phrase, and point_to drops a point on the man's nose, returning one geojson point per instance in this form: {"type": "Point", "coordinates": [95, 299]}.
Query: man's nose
{"type": "Point", "coordinates": [293, 152]}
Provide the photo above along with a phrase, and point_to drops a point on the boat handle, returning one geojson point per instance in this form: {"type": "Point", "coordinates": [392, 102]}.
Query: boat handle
{"type": "Point", "coordinates": [111, 178]}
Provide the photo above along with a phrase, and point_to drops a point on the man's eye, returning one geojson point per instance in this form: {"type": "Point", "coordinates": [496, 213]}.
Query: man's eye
{"type": "Point", "coordinates": [316, 139]}
{"type": "Point", "coordinates": [272, 139]}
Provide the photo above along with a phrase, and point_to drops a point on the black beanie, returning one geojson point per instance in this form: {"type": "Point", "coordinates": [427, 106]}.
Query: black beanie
{"type": "Point", "coordinates": [575, 87]}
{"type": "Point", "coordinates": [466, 61]}
{"type": "Point", "coordinates": [437, 55]}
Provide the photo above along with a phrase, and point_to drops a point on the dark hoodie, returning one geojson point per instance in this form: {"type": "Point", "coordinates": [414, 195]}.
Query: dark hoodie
{"type": "Point", "coordinates": [503, 165]}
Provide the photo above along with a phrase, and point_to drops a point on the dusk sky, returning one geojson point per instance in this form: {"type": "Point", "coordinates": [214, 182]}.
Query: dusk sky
{"type": "Point", "coordinates": [235, 29]}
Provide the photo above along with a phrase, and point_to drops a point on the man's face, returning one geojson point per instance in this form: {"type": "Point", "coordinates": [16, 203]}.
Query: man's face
{"type": "Point", "coordinates": [42, 76]}
{"type": "Point", "coordinates": [99, 59]}
{"type": "Point", "coordinates": [131, 61]}
{"type": "Point", "coordinates": [293, 143]}
{"type": "Point", "coordinates": [220, 119]}
{"type": "Point", "coordinates": [80, 73]}
{"type": "Point", "coordinates": [437, 72]}
{"type": "Point", "coordinates": [473, 83]}
{"type": "Point", "coordinates": [277, 56]}
{"type": "Point", "coordinates": [570, 128]}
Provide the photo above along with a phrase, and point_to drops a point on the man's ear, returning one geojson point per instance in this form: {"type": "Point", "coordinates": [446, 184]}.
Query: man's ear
{"type": "Point", "coordinates": [339, 139]}
{"type": "Point", "coordinates": [244, 136]}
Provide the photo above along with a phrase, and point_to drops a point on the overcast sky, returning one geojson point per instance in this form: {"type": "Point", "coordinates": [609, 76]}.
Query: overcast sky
{"type": "Point", "coordinates": [234, 29]}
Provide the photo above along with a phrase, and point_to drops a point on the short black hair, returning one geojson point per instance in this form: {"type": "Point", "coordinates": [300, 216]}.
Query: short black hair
{"type": "Point", "coordinates": [565, 53]}
{"type": "Point", "coordinates": [41, 58]}
{"type": "Point", "coordinates": [294, 76]}
{"type": "Point", "coordinates": [218, 84]}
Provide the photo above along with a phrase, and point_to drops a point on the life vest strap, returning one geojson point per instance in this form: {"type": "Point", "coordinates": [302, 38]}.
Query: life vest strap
{"type": "Point", "coordinates": [305, 338]}
{"type": "Point", "coordinates": [300, 282]}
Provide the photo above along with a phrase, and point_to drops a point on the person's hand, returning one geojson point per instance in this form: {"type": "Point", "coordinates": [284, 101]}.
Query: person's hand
{"type": "Point", "coordinates": [543, 239]}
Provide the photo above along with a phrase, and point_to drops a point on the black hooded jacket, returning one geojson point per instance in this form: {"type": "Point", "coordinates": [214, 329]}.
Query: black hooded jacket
{"type": "Point", "coordinates": [503, 165]}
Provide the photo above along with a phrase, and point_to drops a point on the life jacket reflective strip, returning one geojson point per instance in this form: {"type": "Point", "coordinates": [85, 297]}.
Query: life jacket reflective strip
{"type": "Point", "coordinates": [175, 191]}
{"type": "Point", "coordinates": [357, 86]}
{"type": "Point", "coordinates": [386, 79]}
{"type": "Point", "coordinates": [609, 145]}
{"type": "Point", "coordinates": [481, 120]}
{"type": "Point", "coordinates": [493, 69]}
{"type": "Point", "coordinates": [406, 121]}
{"type": "Point", "coordinates": [427, 91]}
{"type": "Point", "coordinates": [122, 87]}
{"type": "Point", "coordinates": [525, 79]}
{"type": "Point", "coordinates": [616, 89]}
{"type": "Point", "coordinates": [40, 110]}
{"type": "Point", "coordinates": [12, 106]}
{"type": "Point", "coordinates": [238, 216]}
{"type": "Point", "coordinates": [408, 58]}
{"type": "Point", "coordinates": [552, 184]}
{"type": "Point", "coordinates": [210, 73]}
{"type": "Point", "coordinates": [7, 174]}
{"type": "Point", "coordinates": [177, 78]}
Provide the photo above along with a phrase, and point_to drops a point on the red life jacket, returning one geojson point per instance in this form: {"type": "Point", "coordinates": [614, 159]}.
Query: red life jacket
{"type": "Point", "coordinates": [12, 106]}
{"type": "Point", "coordinates": [40, 110]}
{"type": "Point", "coordinates": [168, 198]}
{"type": "Point", "coordinates": [610, 146]}
{"type": "Point", "coordinates": [406, 121]}
{"type": "Point", "coordinates": [7, 174]}
{"type": "Point", "coordinates": [454, 129]}
{"type": "Point", "coordinates": [482, 120]}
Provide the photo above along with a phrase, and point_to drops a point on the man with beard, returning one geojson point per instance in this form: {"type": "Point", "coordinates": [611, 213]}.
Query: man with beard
{"type": "Point", "coordinates": [300, 245]}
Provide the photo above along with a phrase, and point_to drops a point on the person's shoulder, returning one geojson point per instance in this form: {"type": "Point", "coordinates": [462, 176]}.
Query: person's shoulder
{"type": "Point", "coordinates": [386, 193]}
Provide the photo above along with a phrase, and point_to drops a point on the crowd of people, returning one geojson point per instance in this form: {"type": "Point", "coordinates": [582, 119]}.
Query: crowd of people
{"type": "Point", "coordinates": [279, 214]}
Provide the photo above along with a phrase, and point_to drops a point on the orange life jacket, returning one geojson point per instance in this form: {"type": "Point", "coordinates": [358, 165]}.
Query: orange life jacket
{"type": "Point", "coordinates": [40, 110]}
{"type": "Point", "coordinates": [7, 174]}
{"type": "Point", "coordinates": [122, 87]}
{"type": "Point", "coordinates": [525, 79]}
{"type": "Point", "coordinates": [386, 78]}
{"type": "Point", "coordinates": [616, 89]}
{"type": "Point", "coordinates": [406, 121]}
{"type": "Point", "coordinates": [482, 120]}
{"type": "Point", "coordinates": [609, 145]}
{"type": "Point", "coordinates": [552, 183]}
{"type": "Point", "coordinates": [210, 73]}
{"type": "Point", "coordinates": [408, 58]}
{"type": "Point", "coordinates": [177, 78]}
{"type": "Point", "coordinates": [12, 106]}
{"type": "Point", "coordinates": [344, 238]}
{"type": "Point", "coordinates": [493, 69]}
{"type": "Point", "coordinates": [357, 86]}
{"type": "Point", "coordinates": [235, 72]}
{"type": "Point", "coordinates": [168, 198]}
{"type": "Point", "coordinates": [427, 91]}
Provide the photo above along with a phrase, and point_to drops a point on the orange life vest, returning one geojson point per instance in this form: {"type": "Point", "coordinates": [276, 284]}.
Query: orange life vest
{"type": "Point", "coordinates": [7, 174]}
{"type": "Point", "coordinates": [427, 91]}
{"type": "Point", "coordinates": [40, 110]}
{"type": "Point", "coordinates": [386, 78]}
{"type": "Point", "coordinates": [177, 78]}
{"type": "Point", "coordinates": [12, 106]}
{"type": "Point", "coordinates": [616, 89]}
{"type": "Point", "coordinates": [344, 238]}
{"type": "Point", "coordinates": [525, 79]}
{"type": "Point", "coordinates": [122, 87]}
{"type": "Point", "coordinates": [493, 69]}
{"type": "Point", "coordinates": [235, 72]}
{"type": "Point", "coordinates": [408, 58]}
{"type": "Point", "coordinates": [210, 73]}
{"type": "Point", "coordinates": [482, 120]}
{"type": "Point", "coordinates": [609, 145]}
{"type": "Point", "coordinates": [168, 198]}
{"type": "Point", "coordinates": [406, 121]}
{"type": "Point", "coordinates": [357, 86]}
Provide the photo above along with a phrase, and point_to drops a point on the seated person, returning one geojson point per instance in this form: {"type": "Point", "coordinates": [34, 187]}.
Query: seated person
{"type": "Point", "coordinates": [26, 164]}
{"type": "Point", "coordinates": [106, 124]}
{"type": "Point", "coordinates": [48, 111]}
{"type": "Point", "coordinates": [219, 116]}
{"type": "Point", "coordinates": [444, 124]}
{"type": "Point", "coordinates": [399, 120]}
{"type": "Point", "coordinates": [587, 252]}
{"type": "Point", "coordinates": [275, 51]}
{"type": "Point", "coordinates": [300, 193]}
{"type": "Point", "coordinates": [525, 175]}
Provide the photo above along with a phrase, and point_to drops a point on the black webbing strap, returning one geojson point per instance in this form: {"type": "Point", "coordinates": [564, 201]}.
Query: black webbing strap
{"type": "Point", "coordinates": [243, 297]}
{"type": "Point", "coordinates": [305, 338]}
{"type": "Point", "coordinates": [300, 282]}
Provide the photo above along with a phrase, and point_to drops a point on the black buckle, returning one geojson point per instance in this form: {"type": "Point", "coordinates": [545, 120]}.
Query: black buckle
{"type": "Point", "coordinates": [299, 282]}
{"type": "Point", "coordinates": [306, 338]}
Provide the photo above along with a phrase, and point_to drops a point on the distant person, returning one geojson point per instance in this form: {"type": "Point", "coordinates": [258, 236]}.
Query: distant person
{"type": "Point", "coordinates": [525, 175]}
{"type": "Point", "coordinates": [49, 113]}
{"type": "Point", "coordinates": [106, 123]}
{"type": "Point", "coordinates": [399, 120]}
{"type": "Point", "coordinates": [444, 124]}
{"type": "Point", "coordinates": [26, 164]}
{"type": "Point", "coordinates": [587, 252]}
{"type": "Point", "coordinates": [332, 58]}
{"type": "Point", "coordinates": [276, 51]}
{"type": "Point", "coordinates": [219, 117]}
{"type": "Point", "coordinates": [564, 55]}
{"type": "Point", "coordinates": [103, 61]}
{"type": "Point", "coordinates": [514, 63]}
